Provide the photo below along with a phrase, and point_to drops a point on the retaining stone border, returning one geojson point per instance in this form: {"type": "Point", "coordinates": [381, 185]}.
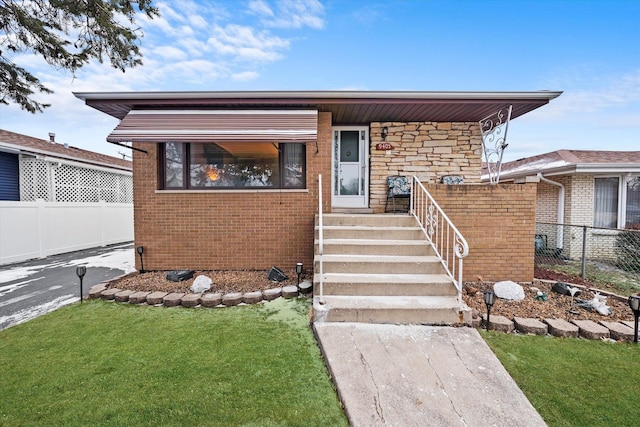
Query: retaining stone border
{"type": "Point", "coordinates": [587, 329]}
{"type": "Point", "coordinates": [619, 331]}
{"type": "Point", "coordinates": [208, 300]}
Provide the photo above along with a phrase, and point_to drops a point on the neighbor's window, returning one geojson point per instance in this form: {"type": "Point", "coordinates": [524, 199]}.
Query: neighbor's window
{"type": "Point", "coordinates": [233, 165]}
{"type": "Point", "coordinates": [633, 202]}
{"type": "Point", "coordinates": [606, 202]}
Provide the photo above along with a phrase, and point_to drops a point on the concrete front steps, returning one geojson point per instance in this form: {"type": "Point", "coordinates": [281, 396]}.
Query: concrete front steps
{"type": "Point", "coordinates": [379, 268]}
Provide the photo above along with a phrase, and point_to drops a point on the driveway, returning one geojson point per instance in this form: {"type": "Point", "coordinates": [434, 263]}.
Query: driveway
{"type": "Point", "coordinates": [32, 288]}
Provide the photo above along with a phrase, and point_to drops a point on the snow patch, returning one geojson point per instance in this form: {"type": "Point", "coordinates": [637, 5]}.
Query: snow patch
{"type": "Point", "coordinates": [33, 312]}
{"type": "Point", "coordinates": [120, 259]}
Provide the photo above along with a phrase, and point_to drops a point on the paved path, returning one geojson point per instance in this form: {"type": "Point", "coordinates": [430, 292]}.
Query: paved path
{"type": "Point", "coordinates": [32, 288]}
{"type": "Point", "coordinates": [410, 375]}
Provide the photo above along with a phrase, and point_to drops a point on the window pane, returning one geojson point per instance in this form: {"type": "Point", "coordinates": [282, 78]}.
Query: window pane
{"type": "Point", "coordinates": [234, 165]}
{"type": "Point", "coordinates": [174, 165]}
{"type": "Point", "coordinates": [349, 146]}
{"type": "Point", "coordinates": [606, 203]}
{"type": "Point", "coordinates": [633, 201]}
{"type": "Point", "coordinates": [293, 164]}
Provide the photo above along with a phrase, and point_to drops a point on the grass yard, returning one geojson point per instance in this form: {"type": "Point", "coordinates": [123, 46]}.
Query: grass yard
{"type": "Point", "coordinates": [104, 363]}
{"type": "Point", "coordinates": [573, 382]}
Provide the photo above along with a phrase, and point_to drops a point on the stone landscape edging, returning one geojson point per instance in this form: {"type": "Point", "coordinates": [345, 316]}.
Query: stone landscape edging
{"type": "Point", "coordinates": [619, 331]}
{"type": "Point", "coordinates": [190, 300]}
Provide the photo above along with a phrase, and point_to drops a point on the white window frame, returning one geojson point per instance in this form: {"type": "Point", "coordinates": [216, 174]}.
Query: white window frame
{"type": "Point", "coordinates": [622, 195]}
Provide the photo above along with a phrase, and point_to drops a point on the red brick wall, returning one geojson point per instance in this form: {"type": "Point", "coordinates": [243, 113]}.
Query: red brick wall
{"type": "Point", "coordinates": [228, 230]}
{"type": "Point", "coordinates": [498, 222]}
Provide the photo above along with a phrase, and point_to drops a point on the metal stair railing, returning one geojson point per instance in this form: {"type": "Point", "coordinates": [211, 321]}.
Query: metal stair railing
{"type": "Point", "coordinates": [320, 243]}
{"type": "Point", "coordinates": [448, 243]}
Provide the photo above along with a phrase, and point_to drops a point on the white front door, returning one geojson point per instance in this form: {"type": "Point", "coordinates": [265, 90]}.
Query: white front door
{"type": "Point", "coordinates": [350, 154]}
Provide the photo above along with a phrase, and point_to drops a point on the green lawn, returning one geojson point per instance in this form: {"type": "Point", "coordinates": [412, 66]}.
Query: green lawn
{"type": "Point", "coordinates": [105, 363]}
{"type": "Point", "coordinates": [574, 382]}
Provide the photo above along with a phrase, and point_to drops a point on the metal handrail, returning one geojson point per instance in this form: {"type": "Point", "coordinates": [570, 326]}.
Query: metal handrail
{"type": "Point", "coordinates": [320, 241]}
{"type": "Point", "coordinates": [446, 240]}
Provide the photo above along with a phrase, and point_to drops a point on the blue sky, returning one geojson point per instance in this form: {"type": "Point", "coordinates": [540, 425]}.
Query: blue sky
{"type": "Point", "coordinates": [588, 49]}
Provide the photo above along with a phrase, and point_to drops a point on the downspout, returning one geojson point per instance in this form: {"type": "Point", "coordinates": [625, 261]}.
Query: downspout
{"type": "Point", "coordinates": [559, 239]}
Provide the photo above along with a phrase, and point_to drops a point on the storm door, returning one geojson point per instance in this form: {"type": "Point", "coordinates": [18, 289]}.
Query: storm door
{"type": "Point", "coordinates": [350, 154]}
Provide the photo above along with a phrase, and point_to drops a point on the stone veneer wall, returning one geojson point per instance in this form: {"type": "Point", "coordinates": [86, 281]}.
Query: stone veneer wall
{"type": "Point", "coordinates": [498, 222]}
{"type": "Point", "coordinates": [429, 150]}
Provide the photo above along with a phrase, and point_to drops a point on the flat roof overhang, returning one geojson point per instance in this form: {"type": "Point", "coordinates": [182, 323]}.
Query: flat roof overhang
{"type": "Point", "coordinates": [347, 107]}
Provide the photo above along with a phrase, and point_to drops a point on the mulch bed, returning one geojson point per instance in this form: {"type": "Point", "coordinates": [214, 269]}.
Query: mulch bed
{"type": "Point", "coordinates": [223, 281]}
{"type": "Point", "coordinates": [555, 307]}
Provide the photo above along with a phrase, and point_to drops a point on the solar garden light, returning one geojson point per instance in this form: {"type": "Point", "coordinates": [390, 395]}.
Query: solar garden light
{"type": "Point", "coordinates": [299, 271]}
{"type": "Point", "coordinates": [489, 298]}
{"type": "Point", "coordinates": [140, 249]}
{"type": "Point", "coordinates": [81, 270]}
{"type": "Point", "coordinates": [634, 303]}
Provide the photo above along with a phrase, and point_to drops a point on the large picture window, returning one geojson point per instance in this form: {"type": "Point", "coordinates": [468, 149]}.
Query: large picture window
{"type": "Point", "coordinates": [232, 165]}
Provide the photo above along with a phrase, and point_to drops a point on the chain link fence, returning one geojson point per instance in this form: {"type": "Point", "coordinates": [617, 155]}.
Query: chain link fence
{"type": "Point", "coordinates": [601, 255]}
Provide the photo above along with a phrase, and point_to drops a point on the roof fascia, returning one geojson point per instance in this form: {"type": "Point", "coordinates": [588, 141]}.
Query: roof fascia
{"type": "Point", "coordinates": [322, 95]}
{"type": "Point", "coordinates": [599, 168]}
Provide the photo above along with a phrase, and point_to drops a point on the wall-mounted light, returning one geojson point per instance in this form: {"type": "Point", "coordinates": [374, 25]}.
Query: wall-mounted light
{"type": "Point", "coordinates": [140, 250]}
{"type": "Point", "coordinates": [489, 299]}
{"type": "Point", "coordinates": [634, 304]}
{"type": "Point", "coordinates": [384, 133]}
{"type": "Point", "coordinates": [299, 271]}
{"type": "Point", "coordinates": [81, 270]}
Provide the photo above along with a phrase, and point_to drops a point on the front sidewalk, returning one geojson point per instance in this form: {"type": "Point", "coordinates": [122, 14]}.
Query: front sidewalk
{"type": "Point", "coordinates": [411, 375]}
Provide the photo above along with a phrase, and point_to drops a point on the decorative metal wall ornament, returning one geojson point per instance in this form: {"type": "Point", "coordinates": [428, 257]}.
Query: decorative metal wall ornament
{"type": "Point", "coordinates": [494, 140]}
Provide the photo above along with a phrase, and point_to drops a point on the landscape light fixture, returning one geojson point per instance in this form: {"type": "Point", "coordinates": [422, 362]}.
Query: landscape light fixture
{"type": "Point", "coordinates": [489, 298]}
{"type": "Point", "coordinates": [634, 303]}
{"type": "Point", "coordinates": [81, 270]}
{"type": "Point", "coordinates": [299, 271]}
{"type": "Point", "coordinates": [140, 250]}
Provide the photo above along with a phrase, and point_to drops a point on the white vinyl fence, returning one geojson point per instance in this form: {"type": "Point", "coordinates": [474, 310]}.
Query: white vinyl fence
{"type": "Point", "coordinates": [38, 229]}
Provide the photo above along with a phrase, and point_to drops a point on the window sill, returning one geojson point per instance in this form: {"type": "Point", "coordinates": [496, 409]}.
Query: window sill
{"type": "Point", "coordinates": [603, 232]}
{"type": "Point", "coordinates": [248, 191]}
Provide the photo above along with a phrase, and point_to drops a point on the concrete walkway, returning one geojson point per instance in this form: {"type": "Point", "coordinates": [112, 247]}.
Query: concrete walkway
{"type": "Point", "coordinates": [411, 375]}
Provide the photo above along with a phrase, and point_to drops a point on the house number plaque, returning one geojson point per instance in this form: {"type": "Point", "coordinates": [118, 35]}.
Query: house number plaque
{"type": "Point", "coordinates": [384, 146]}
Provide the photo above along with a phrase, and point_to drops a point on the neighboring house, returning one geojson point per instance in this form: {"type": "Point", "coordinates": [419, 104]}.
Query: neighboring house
{"type": "Point", "coordinates": [56, 198]}
{"type": "Point", "coordinates": [598, 189]}
{"type": "Point", "coordinates": [229, 180]}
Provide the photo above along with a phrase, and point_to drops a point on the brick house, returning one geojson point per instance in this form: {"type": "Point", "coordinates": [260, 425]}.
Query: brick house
{"type": "Point", "coordinates": [599, 189]}
{"type": "Point", "coordinates": [229, 180]}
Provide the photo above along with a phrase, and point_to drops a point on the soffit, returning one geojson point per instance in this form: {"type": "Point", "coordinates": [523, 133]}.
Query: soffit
{"type": "Point", "coordinates": [347, 108]}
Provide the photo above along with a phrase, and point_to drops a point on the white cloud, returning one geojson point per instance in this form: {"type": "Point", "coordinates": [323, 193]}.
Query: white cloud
{"type": "Point", "coordinates": [590, 93]}
{"type": "Point", "coordinates": [245, 76]}
{"type": "Point", "coordinates": [245, 44]}
{"type": "Point", "coordinates": [297, 14]}
{"type": "Point", "coordinates": [170, 53]}
{"type": "Point", "coordinates": [260, 8]}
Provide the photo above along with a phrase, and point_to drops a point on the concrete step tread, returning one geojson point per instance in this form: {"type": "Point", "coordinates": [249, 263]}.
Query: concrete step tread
{"type": "Point", "coordinates": [390, 302]}
{"type": "Point", "coordinates": [368, 227]}
{"type": "Point", "coordinates": [383, 278]}
{"type": "Point", "coordinates": [377, 258]}
{"type": "Point", "coordinates": [357, 215]}
{"type": "Point", "coordinates": [371, 242]}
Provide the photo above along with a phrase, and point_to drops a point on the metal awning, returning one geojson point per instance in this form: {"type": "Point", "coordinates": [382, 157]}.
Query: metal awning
{"type": "Point", "coordinates": [217, 126]}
